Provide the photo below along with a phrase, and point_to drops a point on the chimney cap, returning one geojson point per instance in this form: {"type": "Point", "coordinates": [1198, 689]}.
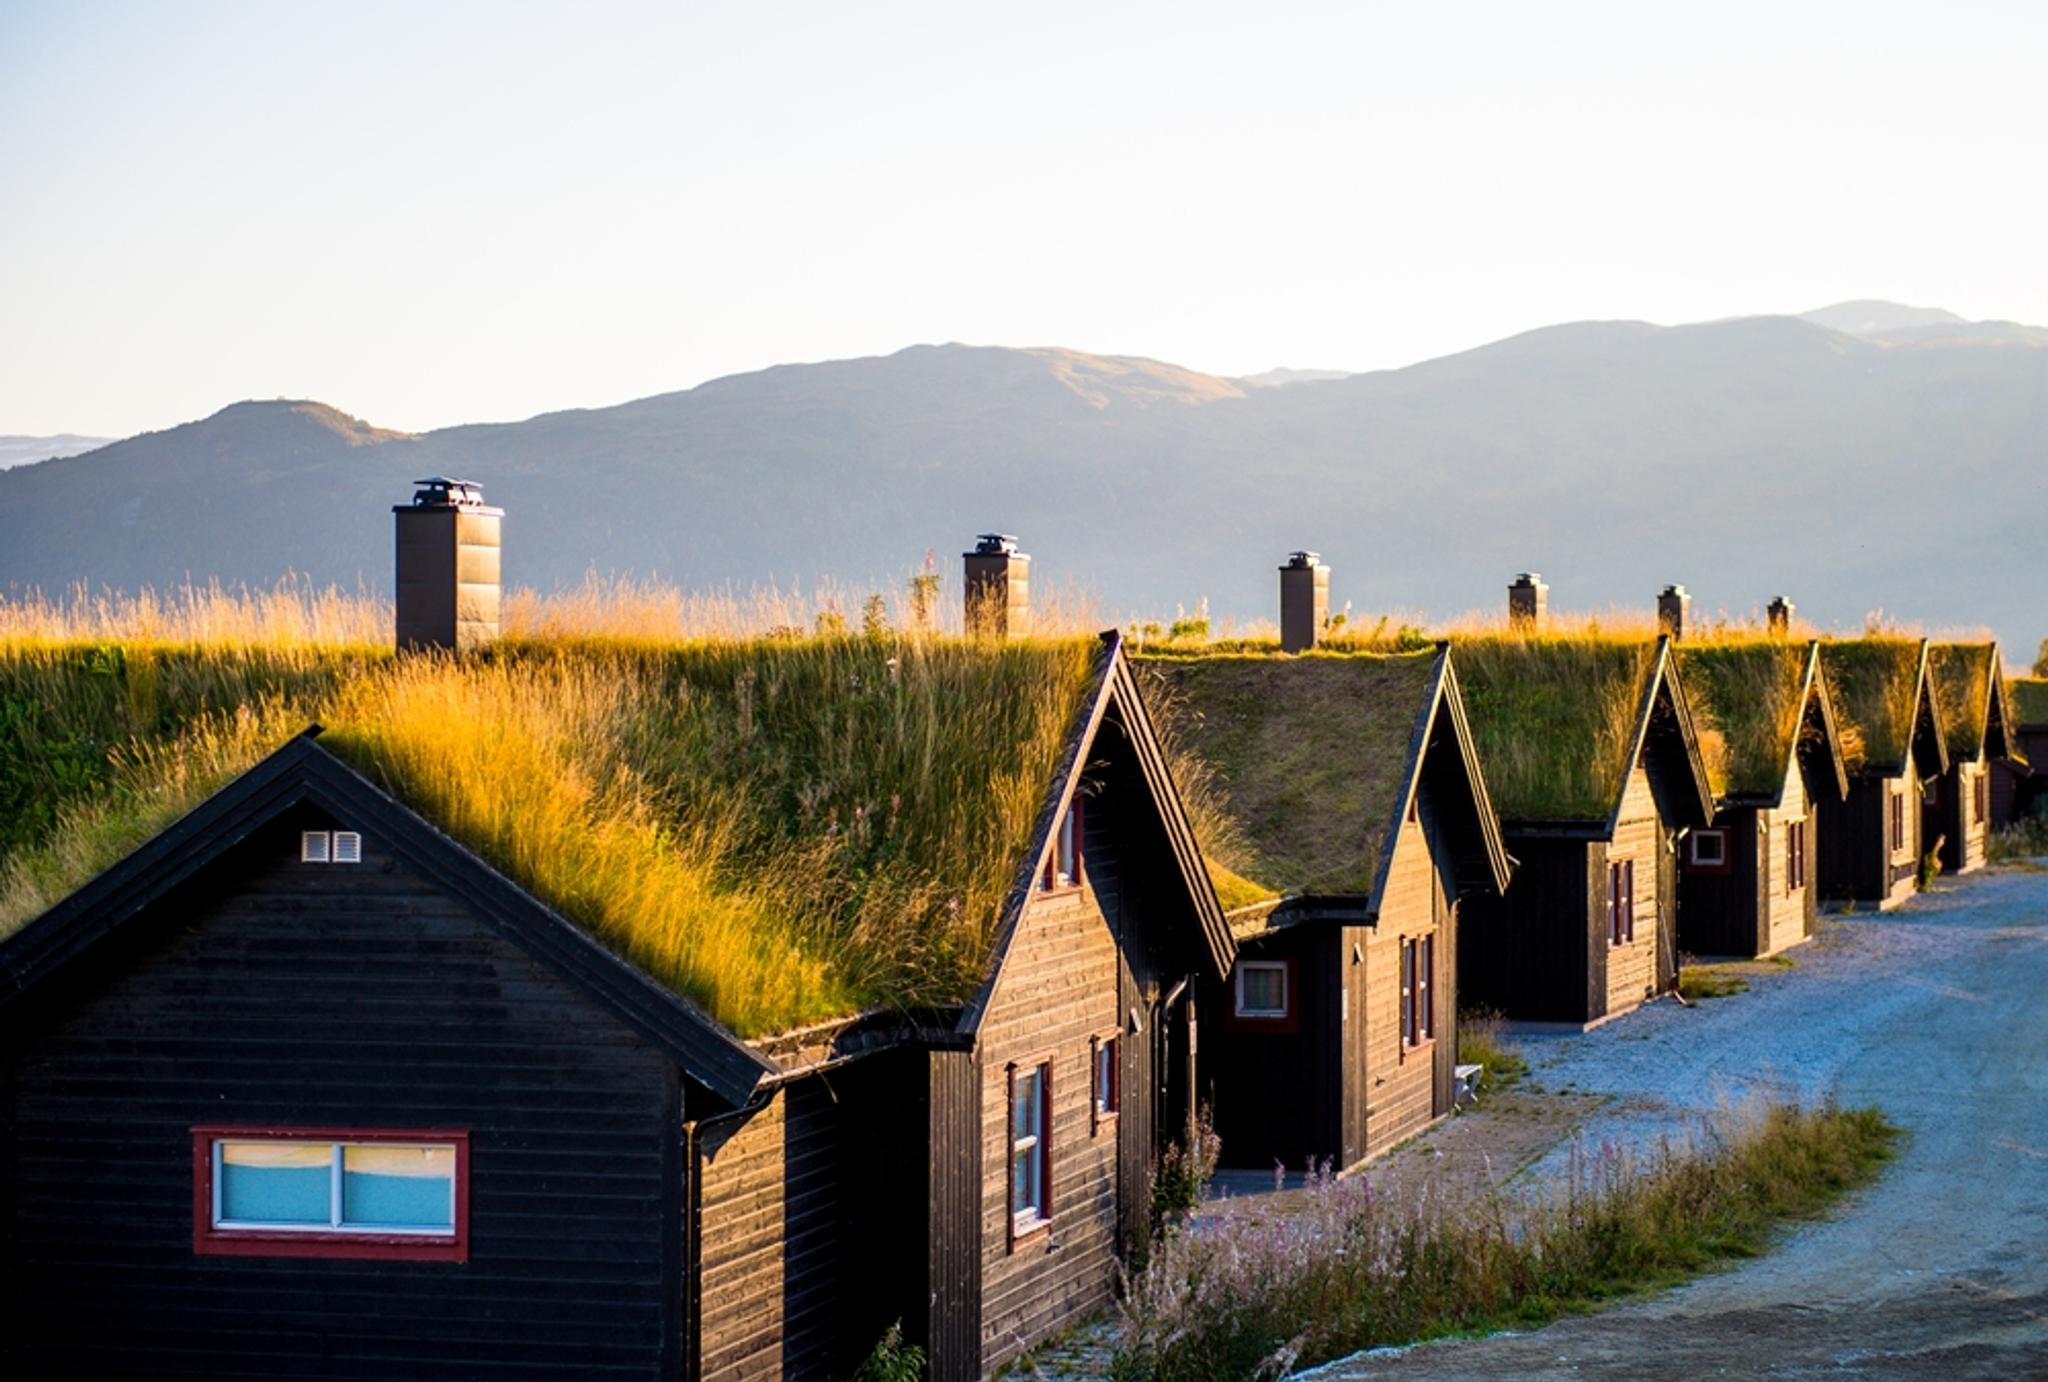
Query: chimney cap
{"type": "Point", "coordinates": [1297, 561]}
{"type": "Point", "coordinates": [1784, 601]}
{"type": "Point", "coordinates": [445, 492]}
{"type": "Point", "coordinates": [994, 545]}
{"type": "Point", "coordinates": [1529, 578]}
{"type": "Point", "coordinates": [1673, 590]}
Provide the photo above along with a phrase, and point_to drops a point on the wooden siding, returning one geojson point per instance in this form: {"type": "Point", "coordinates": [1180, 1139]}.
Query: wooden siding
{"type": "Point", "coordinates": [1278, 1095]}
{"type": "Point", "coordinates": [1401, 1093]}
{"type": "Point", "coordinates": [292, 994]}
{"type": "Point", "coordinates": [1058, 987]}
{"type": "Point", "coordinates": [1858, 863]}
{"type": "Point", "coordinates": [1639, 837]}
{"type": "Point", "coordinates": [1527, 955]}
{"type": "Point", "coordinates": [769, 1236]}
{"type": "Point", "coordinates": [1964, 833]}
{"type": "Point", "coordinates": [1784, 913]}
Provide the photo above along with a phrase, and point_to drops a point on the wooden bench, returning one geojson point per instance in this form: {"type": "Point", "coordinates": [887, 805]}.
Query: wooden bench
{"type": "Point", "coordinates": [1465, 1086]}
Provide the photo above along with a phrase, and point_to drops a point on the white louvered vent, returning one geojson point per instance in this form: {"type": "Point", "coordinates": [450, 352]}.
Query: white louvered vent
{"type": "Point", "coordinates": [313, 846]}
{"type": "Point", "coordinates": [348, 847]}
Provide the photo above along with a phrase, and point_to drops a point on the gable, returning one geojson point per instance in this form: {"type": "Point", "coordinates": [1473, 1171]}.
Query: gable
{"type": "Point", "coordinates": [302, 777]}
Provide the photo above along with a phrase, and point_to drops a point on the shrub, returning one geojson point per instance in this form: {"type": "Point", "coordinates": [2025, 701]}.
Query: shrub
{"type": "Point", "coordinates": [1183, 1172]}
{"type": "Point", "coordinates": [2027, 839]}
{"type": "Point", "coordinates": [891, 1360]}
{"type": "Point", "coordinates": [1696, 982]}
{"type": "Point", "coordinates": [1480, 1042]}
{"type": "Point", "coordinates": [1256, 1294]}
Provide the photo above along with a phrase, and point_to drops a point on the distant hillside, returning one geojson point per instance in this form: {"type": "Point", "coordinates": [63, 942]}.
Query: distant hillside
{"type": "Point", "coordinates": [1741, 457]}
{"type": "Point", "coordinates": [17, 450]}
{"type": "Point", "coordinates": [1868, 317]}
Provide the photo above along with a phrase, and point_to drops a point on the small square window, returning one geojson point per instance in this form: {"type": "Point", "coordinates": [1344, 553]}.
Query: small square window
{"type": "Point", "coordinates": [314, 846]}
{"type": "Point", "coordinates": [1262, 989]}
{"type": "Point", "coordinates": [1709, 849]}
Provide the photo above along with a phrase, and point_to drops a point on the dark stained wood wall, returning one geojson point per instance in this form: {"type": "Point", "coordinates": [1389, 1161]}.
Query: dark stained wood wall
{"type": "Point", "coordinates": [1858, 863]}
{"type": "Point", "coordinates": [1277, 1090]}
{"type": "Point", "coordinates": [1527, 955]}
{"type": "Point", "coordinates": [343, 995]}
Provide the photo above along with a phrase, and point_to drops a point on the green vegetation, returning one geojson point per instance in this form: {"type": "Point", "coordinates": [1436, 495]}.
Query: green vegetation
{"type": "Point", "coordinates": [2029, 697]}
{"type": "Point", "coordinates": [1555, 719]}
{"type": "Point", "coordinates": [1696, 982]}
{"type": "Point", "coordinates": [783, 830]}
{"type": "Point", "coordinates": [891, 1360]}
{"type": "Point", "coordinates": [2041, 659]}
{"type": "Point", "coordinates": [1256, 1296]}
{"type": "Point", "coordinates": [1873, 682]}
{"type": "Point", "coordinates": [1959, 676]}
{"type": "Point", "coordinates": [1282, 749]}
{"type": "Point", "coordinates": [1746, 704]}
{"type": "Point", "coordinates": [1482, 1041]}
{"type": "Point", "coordinates": [2022, 840]}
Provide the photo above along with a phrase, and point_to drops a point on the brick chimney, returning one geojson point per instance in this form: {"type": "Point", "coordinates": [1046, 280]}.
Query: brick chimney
{"type": "Point", "coordinates": [1778, 616]}
{"type": "Point", "coordinates": [1528, 603]}
{"type": "Point", "coordinates": [998, 587]}
{"type": "Point", "coordinates": [1674, 611]}
{"type": "Point", "coordinates": [1304, 601]}
{"type": "Point", "coordinates": [447, 567]}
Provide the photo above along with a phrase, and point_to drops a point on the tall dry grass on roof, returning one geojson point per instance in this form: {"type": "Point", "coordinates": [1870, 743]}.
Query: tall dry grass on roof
{"type": "Point", "coordinates": [784, 828]}
{"type": "Point", "coordinates": [1875, 683]}
{"type": "Point", "coordinates": [1747, 709]}
{"type": "Point", "coordinates": [1960, 679]}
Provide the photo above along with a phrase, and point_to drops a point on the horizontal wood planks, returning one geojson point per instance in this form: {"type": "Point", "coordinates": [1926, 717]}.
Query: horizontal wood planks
{"type": "Point", "coordinates": [331, 995]}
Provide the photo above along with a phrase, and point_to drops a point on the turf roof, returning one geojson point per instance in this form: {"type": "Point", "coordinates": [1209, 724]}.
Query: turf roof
{"type": "Point", "coordinates": [2029, 696]}
{"type": "Point", "coordinates": [1555, 719]}
{"type": "Point", "coordinates": [1960, 675]}
{"type": "Point", "coordinates": [1875, 683]}
{"type": "Point", "coordinates": [1748, 704]}
{"type": "Point", "coordinates": [782, 830]}
{"type": "Point", "coordinates": [1309, 752]}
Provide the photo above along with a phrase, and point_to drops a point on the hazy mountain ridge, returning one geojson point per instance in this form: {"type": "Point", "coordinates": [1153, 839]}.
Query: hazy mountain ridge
{"type": "Point", "coordinates": [1742, 457]}
{"type": "Point", "coordinates": [27, 450]}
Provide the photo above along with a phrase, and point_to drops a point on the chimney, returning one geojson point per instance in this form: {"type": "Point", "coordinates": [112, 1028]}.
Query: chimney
{"type": "Point", "coordinates": [1674, 611]}
{"type": "Point", "coordinates": [998, 587]}
{"type": "Point", "coordinates": [447, 567]}
{"type": "Point", "coordinates": [1778, 616]}
{"type": "Point", "coordinates": [1304, 601]}
{"type": "Point", "coordinates": [1528, 603]}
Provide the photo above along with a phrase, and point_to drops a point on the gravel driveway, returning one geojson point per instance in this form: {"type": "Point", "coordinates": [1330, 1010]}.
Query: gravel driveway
{"type": "Point", "coordinates": [1937, 1013]}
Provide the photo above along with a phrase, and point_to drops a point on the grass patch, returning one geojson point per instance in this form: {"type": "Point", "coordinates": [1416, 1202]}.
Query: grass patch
{"type": "Point", "coordinates": [1482, 1040]}
{"type": "Point", "coordinates": [1874, 682]}
{"type": "Point", "coordinates": [1696, 982]}
{"type": "Point", "coordinates": [1747, 708]}
{"type": "Point", "coordinates": [1254, 1296]}
{"type": "Point", "coordinates": [2021, 842]}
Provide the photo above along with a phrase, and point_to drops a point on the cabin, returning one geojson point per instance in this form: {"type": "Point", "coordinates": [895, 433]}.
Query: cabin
{"type": "Point", "coordinates": [1968, 683]}
{"type": "Point", "coordinates": [1594, 765]}
{"type": "Point", "coordinates": [333, 1076]}
{"type": "Point", "coordinates": [2018, 789]}
{"type": "Point", "coordinates": [1870, 856]}
{"type": "Point", "coordinates": [1362, 828]}
{"type": "Point", "coordinates": [1746, 886]}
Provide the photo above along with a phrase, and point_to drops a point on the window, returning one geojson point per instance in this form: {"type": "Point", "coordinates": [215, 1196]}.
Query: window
{"type": "Point", "coordinates": [330, 847]}
{"type": "Point", "coordinates": [1621, 902]}
{"type": "Point", "coordinates": [1930, 794]}
{"type": "Point", "coordinates": [1795, 856]}
{"type": "Point", "coordinates": [1262, 989]}
{"type": "Point", "coordinates": [1030, 1148]}
{"type": "Point", "coordinates": [1107, 1079]}
{"type": "Point", "coordinates": [1709, 849]}
{"type": "Point", "coordinates": [1418, 990]}
{"type": "Point", "coordinates": [1980, 799]}
{"type": "Point", "coordinates": [326, 1193]}
{"type": "Point", "coordinates": [1898, 801]}
{"type": "Point", "coordinates": [1063, 866]}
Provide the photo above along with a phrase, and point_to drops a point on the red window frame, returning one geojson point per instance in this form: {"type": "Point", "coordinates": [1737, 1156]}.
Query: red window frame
{"type": "Point", "coordinates": [1042, 1226]}
{"type": "Point", "coordinates": [1980, 799]}
{"type": "Point", "coordinates": [1287, 1022]}
{"type": "Point", "coordinates": [1051, 880]}
{"type": "Point", "coordinates": [1418, 991]}
{"type": "Point", "coordinates": [209, 1240]}
{"type": "Point", "coordinates": [1898, 800]}
{"type": "Point", "coordinates": [1103, 1111]}
{"type": "Point", "coordinates": [1795, 856]}
{"type": "Point", "coordinates": [1621, 902]}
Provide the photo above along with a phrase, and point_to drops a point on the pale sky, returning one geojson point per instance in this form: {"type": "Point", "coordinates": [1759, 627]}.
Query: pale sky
{"type": "Point", "coordinates": [427, 214]}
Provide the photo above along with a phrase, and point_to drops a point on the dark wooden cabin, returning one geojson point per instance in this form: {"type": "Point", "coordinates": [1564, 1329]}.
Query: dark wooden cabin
{"type": "Point", "coordinates": [1870, 852]}
{"type": "Point", "coordinates": [2019, 790]}
{"type": "Point", "coordinates": [304, 1087]}
{"type": "Point", "coordinates": [1354, 782]}
{"type": "Point", "coordinates": [1592, 761]}
{"type": "Point", "coordinates": [1967, 681]}
{"type": "Point", "coordinates": [1746, 885]}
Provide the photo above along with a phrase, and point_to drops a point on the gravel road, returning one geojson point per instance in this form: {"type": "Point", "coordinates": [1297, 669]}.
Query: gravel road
{"type": "Point", "coordinates": [1937, 1013]}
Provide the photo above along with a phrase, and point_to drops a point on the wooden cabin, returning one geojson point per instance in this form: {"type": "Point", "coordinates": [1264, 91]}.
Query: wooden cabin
{"type": "Point", "coordinates": [2019, 790]}
{"type": "Point", "coordinates": [1968, 687]}
{"type": "Point", "coordinates": [1773, 751]}
{"type": "Point", "coordinates": [306, 1086]}
{"type": "Point", "coordinates": [1364, 828]}
{"type": "Point", "coordinates": [1870, 856]}
{"type": "Point", "coordinates": [1593, 763]}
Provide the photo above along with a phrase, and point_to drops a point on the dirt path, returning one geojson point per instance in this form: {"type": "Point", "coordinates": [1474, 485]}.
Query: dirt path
{"type": "Point", "coordinates": [1939, 1014]}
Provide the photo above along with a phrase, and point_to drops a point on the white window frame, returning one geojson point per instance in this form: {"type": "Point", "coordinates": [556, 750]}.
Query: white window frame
{"type": "Point", "coordinates": [1244, 967]}
{"type": "Point", "coordinates": [1720, 839]}
{"type": "Point", "coordinates": [330, 847]}
{"type": "Point", "coordinates": [336, 1222]}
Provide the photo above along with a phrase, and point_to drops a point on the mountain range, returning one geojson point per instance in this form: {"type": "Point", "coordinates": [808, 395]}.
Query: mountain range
{"type": "Point", "coordinates": [20, 450]}
{"type": "Point", "coordinates": [1853, 457]}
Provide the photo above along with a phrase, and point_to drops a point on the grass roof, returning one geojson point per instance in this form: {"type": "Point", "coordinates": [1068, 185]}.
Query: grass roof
{"type": "Point", "coordinates": [1960, 675]}
{"type": "Point", "coordinates": [2029, 699]}
{"type": "Point", "coordinates": [1873, 681]}
{"type": "Point", "coordinates": [1305, 756]}
{"type": "Point", "coordinates": [1747, 709]}
{"type": "Point", "coordinates": [1554, 719]}
{"type": "Point", "coordinates": [784, 830]}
